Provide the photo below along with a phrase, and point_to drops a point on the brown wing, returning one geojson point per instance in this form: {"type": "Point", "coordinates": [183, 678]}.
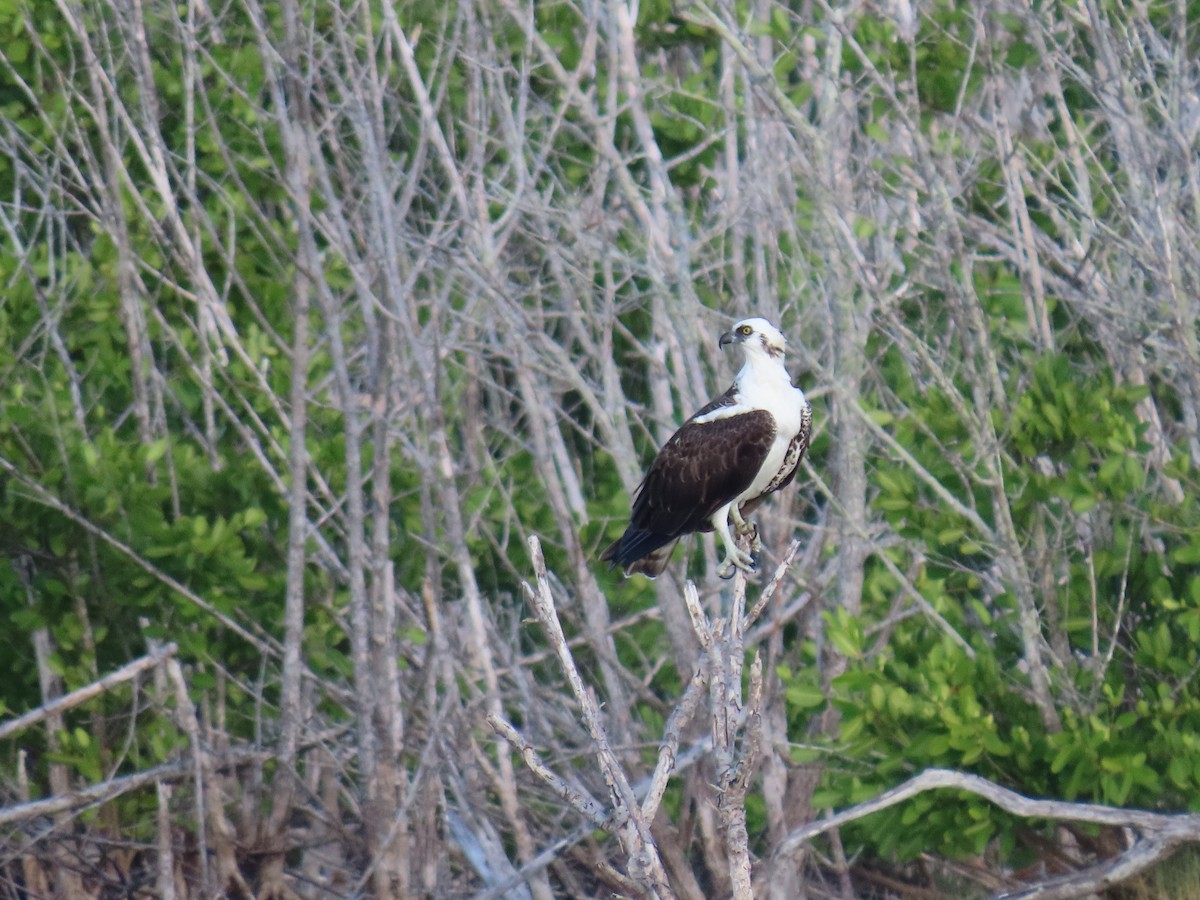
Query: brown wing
{"type": "Point", "coordinates": [702, 467]}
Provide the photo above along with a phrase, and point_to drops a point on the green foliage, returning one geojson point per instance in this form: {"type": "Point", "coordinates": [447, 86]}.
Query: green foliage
{"type": "Point", "coordinates": [1130, 711]}
{"type": "Point", "coordinates": [209, 519]}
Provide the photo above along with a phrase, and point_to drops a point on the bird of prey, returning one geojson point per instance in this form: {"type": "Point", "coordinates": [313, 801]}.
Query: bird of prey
{"type": "Point", "coordinates": [722, 462]}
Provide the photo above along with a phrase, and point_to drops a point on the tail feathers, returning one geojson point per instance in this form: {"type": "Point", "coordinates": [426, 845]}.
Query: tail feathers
{"type": "Point", "coordinates": [640, 551]}
{"type": "Point", "coordinates": [653, 563]}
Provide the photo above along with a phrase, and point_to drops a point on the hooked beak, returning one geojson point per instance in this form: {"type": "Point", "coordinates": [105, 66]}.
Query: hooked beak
{"type": "Point", "coordinates": [727, 338]}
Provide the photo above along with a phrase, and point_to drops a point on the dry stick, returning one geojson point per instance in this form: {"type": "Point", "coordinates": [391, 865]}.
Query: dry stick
{"type": "Point", "coordinates": [65, 880]}
{"type": "Point", "coordinates": [87, 692]}
{"type": "Point", "coordinates": [166, 855]}
{"type": "Point", "coordinates": [115, 787]}
{"type": "Point", "coordinates": [93, 794]}
{"type": "Point", "coordinates": [298, 182]}
{"type": "Point", "coordinates": [725, 659]}
{"type": "Point", "coordinates": [682, 714]}
{"type": "Point", "coordinates": [1162, 832]}
{"type": "Point", "coordinates": [631, 826]}
{"type": "Point", "coordinates": [201, 763]}
{"type": "Point", "coordinates": [700, 623]}
{"type": "Point", "coordinates": [772, 586]}
{"type": "Point", "coordinates": [36, 880]}
{"type": "Point", "coordinates": [711, 820]}
{"type": "Point", "coordinates": [1106, 874]}
{"type": "Point", "coordinates": [580, 801]}
{"type": "Point", "coordinates": [550, 853]}
{"type": "Point", "coordinates": [737, 783]}
{"type": "Point", "coordinates": [724, 648]}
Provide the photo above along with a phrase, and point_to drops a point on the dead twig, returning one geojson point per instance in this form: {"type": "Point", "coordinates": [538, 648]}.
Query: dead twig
{"type": "Point", "coordinates": [629, 824]}
{"type": "Point", "coordinates": [1161, 832]}
{"type": "Point", "coordinates": [112, 788]}
{"type": "Point", "coordinates": [581, 802]}
{"type": "Point", "coordinates": [69, 701]}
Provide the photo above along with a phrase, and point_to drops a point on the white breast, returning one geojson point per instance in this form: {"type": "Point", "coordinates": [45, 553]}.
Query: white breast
{"type": "Point", "coordinates": [787, 406]}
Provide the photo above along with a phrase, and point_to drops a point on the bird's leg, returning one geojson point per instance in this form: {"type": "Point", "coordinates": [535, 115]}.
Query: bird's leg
{"type": "Point", "coordinates": [741, 526]}
{"type": "Point", "coordinates": [735, 557]}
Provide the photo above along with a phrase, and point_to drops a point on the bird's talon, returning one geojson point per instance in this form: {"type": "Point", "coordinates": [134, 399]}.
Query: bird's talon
{"type": "Point", "coordinates": [750, 529]}
{"type": "Point", "coordinates": [735, 561]}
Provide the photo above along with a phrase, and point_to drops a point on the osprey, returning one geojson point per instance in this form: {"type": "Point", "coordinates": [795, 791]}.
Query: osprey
{"type": "Point", "coordinates": [722, 461]}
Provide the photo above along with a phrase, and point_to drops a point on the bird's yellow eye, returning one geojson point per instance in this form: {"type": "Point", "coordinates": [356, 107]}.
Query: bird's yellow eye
{"type": "Point", "coordinates": [746, 330]}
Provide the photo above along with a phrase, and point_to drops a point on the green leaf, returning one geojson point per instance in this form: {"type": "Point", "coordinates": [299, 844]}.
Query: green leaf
{"type": "Point", "coordinates": [1186, 554]}
{"type": "Point", "coordinates": [848, 640]}
{"type": "Point", "coordinates": [253, 582]}
{"type": "Point", "coordinates": [804, 696]}
{"type": "Point", "coordinates": [877, 132]}
{"type": "Point", "coordinates": [1082, 503]}
{"type": "Point", "coordinates": [899, 703]}
{"type": "Point", "coordinates": [155, 451]}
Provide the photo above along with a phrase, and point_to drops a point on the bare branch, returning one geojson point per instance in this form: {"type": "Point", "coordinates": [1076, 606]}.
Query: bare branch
{"type": "Point", "coordinates": [107, 790]}
{"type": "Point", "coordinates": [580, 801]}
{"type": "Point", "coordinates": [1173, 827]}
{"type": "Point", "coordinates": [630, 824]}
{"type": "Point", "coordinates": [61, 704]}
